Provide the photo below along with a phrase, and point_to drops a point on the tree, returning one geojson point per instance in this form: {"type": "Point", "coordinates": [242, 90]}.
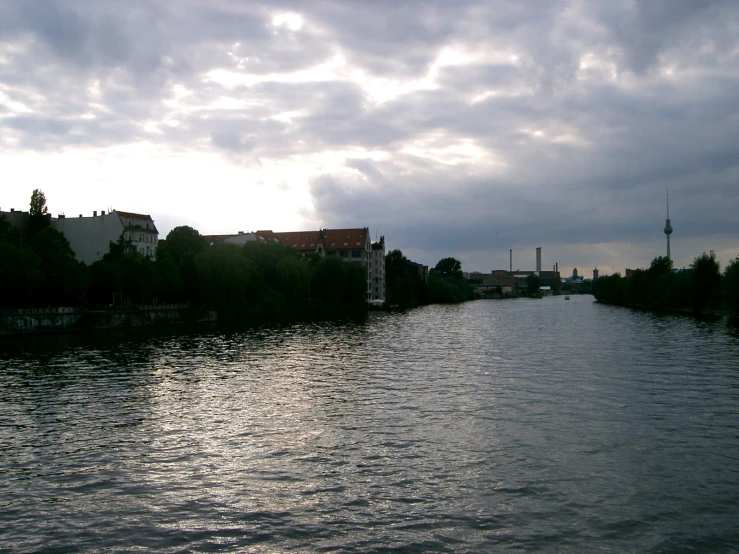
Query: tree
{"type": "Point", "coordinates": [533, 283]}
{"type": "Point", "coordinates": [731, 286]}
{"type": "Point", "coordinates": [399, 287]}
{"type": "Point", "coordinates": [20, 276]}
{"type": "Point", "coordinates": [8, 233]}
{"type": "Point", "coordinates": [447, 284]}
{"type": "Point", "coordinates": [705, 283]}
{"type": "Point", "coordinates": [38, 214]}
{"type": "Point", "coordinates": [609, 289]}
{"type": "Point", "coordinates": [65, 277]}
{"type": "Point", "coordinates": [449, 267]}
{"type": "Point", "coordinates": [38, 203]}
{"type": "Point", "coordinates": [184, 243]}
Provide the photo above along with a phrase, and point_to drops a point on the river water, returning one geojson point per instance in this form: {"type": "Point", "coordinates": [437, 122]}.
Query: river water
{"type": "Point", "coordinates": [540, 425]}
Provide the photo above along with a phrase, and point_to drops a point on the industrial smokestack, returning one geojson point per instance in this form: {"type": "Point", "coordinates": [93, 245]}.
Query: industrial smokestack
{"type": "Point", "coordinates": [510, 252]}
{"type": "Point", "coordinates": [538, 259]}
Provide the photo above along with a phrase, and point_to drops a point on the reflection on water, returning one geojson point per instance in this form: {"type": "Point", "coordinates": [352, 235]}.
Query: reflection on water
{"type": "Point", "coordinates": [524, 424]}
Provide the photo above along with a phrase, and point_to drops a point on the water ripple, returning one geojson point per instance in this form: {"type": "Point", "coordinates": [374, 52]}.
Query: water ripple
{"type": "Point", "coordinates": [495, 425]}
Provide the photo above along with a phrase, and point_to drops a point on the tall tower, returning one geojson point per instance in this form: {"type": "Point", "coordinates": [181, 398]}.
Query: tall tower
{"type": "Point", "coordinates": [538, 259]}
{"type": "Point", "coordinates": [668, 227]}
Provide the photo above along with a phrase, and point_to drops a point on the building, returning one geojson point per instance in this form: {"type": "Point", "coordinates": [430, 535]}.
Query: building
{"type": "Point", "coordinates": [420, 270]}
{"type": "Point", "coordinates": [377, 260]}
{"type": "Point", "coordinates": [576, 279]}
{"type": "Point", "coordinates": [90, 237]}
{"type": "Point", "coordinates": [17, 219]}
{"type": "Point", "coordinates": [351, 245]}
{"type": "Point", "coordinates": [514, 282]}
{"type": "Point", "coordinates": [238, 239]}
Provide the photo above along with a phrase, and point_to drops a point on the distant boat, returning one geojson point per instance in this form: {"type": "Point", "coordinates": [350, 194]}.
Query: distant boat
{"type": "Point", "coordinates": [567, 297]}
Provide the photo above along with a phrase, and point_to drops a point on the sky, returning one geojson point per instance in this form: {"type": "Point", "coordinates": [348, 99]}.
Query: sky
{"type": "Point", "coordinates": [461, 129]}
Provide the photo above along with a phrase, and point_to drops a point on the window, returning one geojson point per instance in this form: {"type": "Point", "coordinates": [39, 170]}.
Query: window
{"type": "Point", "coordinates": [344, 254]}
{"type": "Point", "coordinates": [356, 253]}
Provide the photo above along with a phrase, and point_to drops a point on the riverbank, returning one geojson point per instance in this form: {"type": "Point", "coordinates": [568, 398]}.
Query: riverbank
{"type": "Point", "coordinates": [65, 319]}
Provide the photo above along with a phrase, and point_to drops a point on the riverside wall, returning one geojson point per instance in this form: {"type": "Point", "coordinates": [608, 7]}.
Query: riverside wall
{"type": "Point", "coordinates": [45, 320]}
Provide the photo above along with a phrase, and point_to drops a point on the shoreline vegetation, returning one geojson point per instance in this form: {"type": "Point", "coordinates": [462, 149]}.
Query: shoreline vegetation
{"type": "Point", "coordinates": [252, 283]}
{"type": "Point", "coordinates": [701, 290]}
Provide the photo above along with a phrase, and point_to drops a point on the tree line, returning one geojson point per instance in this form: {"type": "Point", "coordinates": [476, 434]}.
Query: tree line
{"type": "Point", "coordinates": [408, 287]}
{"type": "Point", "coordinates": [702, 288]}
{"type": "Point", "coordinates": [256, 281]}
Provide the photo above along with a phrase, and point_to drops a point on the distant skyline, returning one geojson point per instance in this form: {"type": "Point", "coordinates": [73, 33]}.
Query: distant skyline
{"type": "Point", "coordinates": [452, 128]}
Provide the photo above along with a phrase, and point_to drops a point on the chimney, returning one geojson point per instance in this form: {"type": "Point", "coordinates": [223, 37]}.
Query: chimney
{"type": "Point", "coordinates": [510, 253]}
{"type": "Point", "coordinates": [61, 216]}
{"type": "Point", "coordinates": [80, 215]}
{"type": "Point", "coordinates": [94, 214]}
{"type": "Point", "coordinates": [12, 210]}
{"type": "Point", "coordinates": [538, 259]}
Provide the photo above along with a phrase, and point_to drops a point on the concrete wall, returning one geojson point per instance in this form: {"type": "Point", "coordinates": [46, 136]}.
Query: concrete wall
{"type": "Point", "coordinates": [89, 237]}
{"type": "Point", "coordinates": [38, 320]}
{"type": "Point", "coordinates": [41, 320]}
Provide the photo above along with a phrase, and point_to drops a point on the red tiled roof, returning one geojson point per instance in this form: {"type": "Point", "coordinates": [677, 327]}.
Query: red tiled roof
{"type": "Point", "coordinates": [332, 239]}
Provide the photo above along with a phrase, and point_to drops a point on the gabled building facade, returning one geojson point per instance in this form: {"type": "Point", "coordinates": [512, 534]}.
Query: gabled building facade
{"type": "Point", "coordinates": [90, 237]}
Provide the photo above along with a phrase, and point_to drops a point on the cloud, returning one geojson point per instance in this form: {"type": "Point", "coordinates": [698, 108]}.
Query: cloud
{"type": "Point", "coordinates": [453, 128]}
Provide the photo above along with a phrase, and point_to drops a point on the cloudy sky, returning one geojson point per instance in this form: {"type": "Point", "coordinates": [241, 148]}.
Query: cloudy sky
{"type": "Point", "coordinates": [459, 128]}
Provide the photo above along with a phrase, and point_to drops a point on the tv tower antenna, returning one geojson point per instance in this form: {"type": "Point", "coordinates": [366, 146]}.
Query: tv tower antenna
{"type": "Point", "coordinates": [668, 227]}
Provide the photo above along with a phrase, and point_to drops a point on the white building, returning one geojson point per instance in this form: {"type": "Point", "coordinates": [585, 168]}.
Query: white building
{"type": "Point", "coordinates": [90, 237]}
{"type": "Point", "coordinates": [377, 291]}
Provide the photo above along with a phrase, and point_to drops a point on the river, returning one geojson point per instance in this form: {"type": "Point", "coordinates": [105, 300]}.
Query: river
{"type": "Point", "coordinates": [539, 425]}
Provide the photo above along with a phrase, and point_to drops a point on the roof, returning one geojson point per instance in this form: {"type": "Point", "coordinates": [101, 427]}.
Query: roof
{"type": "Point", "coordinates": [213, 238]}
{"type": "Point", "coordinates": [132, 215]}
{"type": "Point", "coordinates": [143, 217]}
{"type": "Point", "coordinates": [331, 239]}
{"type": "Point", "coordinates": [268, 236]}
{"type": "Point", "coordinates": [301, 240]}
